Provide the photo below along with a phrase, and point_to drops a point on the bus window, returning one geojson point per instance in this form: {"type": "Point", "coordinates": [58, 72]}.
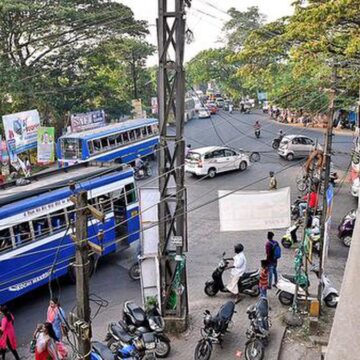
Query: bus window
{"type": "Point", "coordinates": [104, 202]}
{"type": "Point", "coordinates": [91, 147]}
{"type": "Point", "coordinates": [143, 130]}
{"type": "Point", "coordinates": [155, 129]}
{"type": "Point", "coordinates": [132, 135]}
{"type": "Point", "coordinates": [71, 214]}
{"type": "Point", "coordinates": [41, 227]}
{"type": "Point", "coordinates": [97, 145]}
{"type": "Point", "coordinates": [138, 133]}
{"type": "Point", "coordinates": [130, 193]}
{"type": "Point", "coordinates": [125, 136]}
{"type": "Point", "coordinates": [22, 233]}
{"type": "Point", "coordinates": [58, 220]}
{"type": "Point", "coordinates": [71, 148]}
{"type": "Point", "coordinates": [149, 130]}
{"type": "Point", "coordinates": [5, 240]}
{"type": "Point", "coordinates": [104, 143]}
{"type": "Point", "coordinates": [112, 141]}
{"type": "Point", "coordinates": [119, 140]}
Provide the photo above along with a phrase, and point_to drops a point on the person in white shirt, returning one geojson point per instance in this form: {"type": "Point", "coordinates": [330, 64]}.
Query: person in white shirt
{"type": "Point", "coordinates": [138, 162]}
{"type": "Point", "coordinates": [237, 271]}
{"type": "Point", "coordinates": [187, 150]}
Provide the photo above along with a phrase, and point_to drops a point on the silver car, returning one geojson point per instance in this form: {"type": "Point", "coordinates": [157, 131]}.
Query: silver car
{"type": "Point", "coordinates": [295, 146]}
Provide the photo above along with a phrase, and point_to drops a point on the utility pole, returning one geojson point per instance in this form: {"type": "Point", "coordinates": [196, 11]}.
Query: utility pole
{"type": "Point", "coordinates": [82, 276]}
{"type": "Point", "coordinates": [172, 206]}
{"type": "Point", "coordinates": [326, 177]}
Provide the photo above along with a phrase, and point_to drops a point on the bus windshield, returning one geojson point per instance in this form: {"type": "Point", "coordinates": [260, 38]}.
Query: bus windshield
{"type": "Point", "coordinates": [71, 148]}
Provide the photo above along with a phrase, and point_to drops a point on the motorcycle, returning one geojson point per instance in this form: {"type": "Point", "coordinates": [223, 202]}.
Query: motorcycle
{"type": "Point", "coordinates": [121, 342]}
{"type": "Point", "coordinates": [286, 290]}
{"type": "Point", "coordinates": [290, 238]}
{"type": "Point", "coordinates": [248, 283]}
{"type": "Point", "coordinates": [258, 332]}
{"type": "Point", "coordinates": [257, 133]}
{"type": "Point", "coordinates": [346, 227]}
{"type": "Point", "coordinates": [143, 172]}
{"type": "Point", "coordinates": [276, 142]}
{"type": "Point", "coordinates": [139, 322]}
{"type": "Point", "coordinates": [295, 208]}
{"type": "Point", "coordinates": [214, 330]}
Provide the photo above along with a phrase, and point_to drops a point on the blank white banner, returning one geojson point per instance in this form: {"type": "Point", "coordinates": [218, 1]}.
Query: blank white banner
{"type": "Point", "coordinates": [254, 210]}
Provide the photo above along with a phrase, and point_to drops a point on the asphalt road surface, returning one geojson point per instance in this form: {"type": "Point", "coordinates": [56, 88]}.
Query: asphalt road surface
{"type": "Point", "coordinates": [206, 242]}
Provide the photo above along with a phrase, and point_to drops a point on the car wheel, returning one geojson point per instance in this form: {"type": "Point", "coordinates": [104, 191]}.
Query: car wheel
{"type": "Point", "coordinates": [290, 157]}
{"type": "Point", "coordinates": [347, 240]}
{"type": "Point", "coordinates": [212, 173]}
{"type": "Point", "coordinates": [243, 165]}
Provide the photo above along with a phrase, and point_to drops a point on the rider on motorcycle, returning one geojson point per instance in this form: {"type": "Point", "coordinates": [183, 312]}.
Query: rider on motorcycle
{"type": "Point", "coordinates": [281, 135]}
{"type": "Point", "coordinates": [139, 163]}
{"type": "Point", "coordinates": [237, 271]}
{"type": "Point", "coordinates": [257, 125]}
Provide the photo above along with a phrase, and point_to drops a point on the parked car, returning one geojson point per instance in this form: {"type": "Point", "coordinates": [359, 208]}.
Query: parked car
{"type": "Point", "coordinates": [204, 113]}
{"type": "Point", "coordinates": [226, 104]}
{"type": "Point", "coordinates": [212, 108]}
{"type": "Point", "coordinates": [212, 160]}
{"type": "Point", "coordinates": [219, 102]}
{"type": "Point", "coordinates": [295, 146]}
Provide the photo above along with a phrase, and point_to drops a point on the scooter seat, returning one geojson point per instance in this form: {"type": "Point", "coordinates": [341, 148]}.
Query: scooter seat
{"type": "Point", "coordinates": [103, 351]}
{"type": "Point", "coordinates": [121, 333]}
{"type": "Point", "coordinates": [137, 312]}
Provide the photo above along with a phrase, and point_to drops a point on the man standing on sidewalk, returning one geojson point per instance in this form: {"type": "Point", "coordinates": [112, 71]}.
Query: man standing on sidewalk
{"type": "Point", "coordinates": [273, 181]}
{"type": "Point", "coordinates": [273, 253]}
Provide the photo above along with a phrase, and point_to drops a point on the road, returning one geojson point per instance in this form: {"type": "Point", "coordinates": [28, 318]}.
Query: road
{"type": "Point", "coordinates": [206, 242]}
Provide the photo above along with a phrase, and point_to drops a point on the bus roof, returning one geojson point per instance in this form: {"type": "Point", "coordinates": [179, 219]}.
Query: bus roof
{"type": "Point", "coordinates": [56, 179]}
{"type": "Point", "coordinates": [110, 129]}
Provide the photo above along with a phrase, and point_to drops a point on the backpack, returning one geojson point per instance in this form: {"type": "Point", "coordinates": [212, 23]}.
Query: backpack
{"type": "Point", "coordinates": [276, 250]}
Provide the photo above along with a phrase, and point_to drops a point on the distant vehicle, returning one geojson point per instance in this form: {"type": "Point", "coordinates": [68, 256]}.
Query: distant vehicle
{"type": "Point", "coordinates": [212, 108]}
{"type": "Point", "coordinates": [227, 104]}
{"type": "Point", "coordinates": [197, 103]}
{"type": "Point", "coordinates": [265, 107]}
{"type": "Point", "coordinates": [346, 227]}
{"type": "Point", "coordinates": [212, 160]}
{"type": "Point", "coordinates": [36, 230]}
{"type": "Point", "coordinates": [295, 146]}
{"type": "Point", "coordinates": [121, 142]}
{"type": "Point", "coordinates": [219, 102]}
{"type": "Point", "coordinates": [204, 113]}
{"type": "Point", "coordinates": [190, 109]}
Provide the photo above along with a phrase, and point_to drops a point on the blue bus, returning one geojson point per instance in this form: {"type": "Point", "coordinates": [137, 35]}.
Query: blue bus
{"type": "Point", "coordinates": [37, 221]}
{"type": "Point", "coordinates": [120, 142]}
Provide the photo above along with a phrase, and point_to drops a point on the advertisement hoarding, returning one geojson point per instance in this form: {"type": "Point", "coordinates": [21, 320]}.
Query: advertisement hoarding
{"type": "Point", "coordinates": [45, 147]}
{"type": "Point", "coordinates": [21, 129]}
{"type": "Point", "coordinates": [87, 121]}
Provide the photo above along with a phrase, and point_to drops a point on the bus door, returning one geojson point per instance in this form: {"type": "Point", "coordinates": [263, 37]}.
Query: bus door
{"type": "Point", "coordinates": [120, 214]}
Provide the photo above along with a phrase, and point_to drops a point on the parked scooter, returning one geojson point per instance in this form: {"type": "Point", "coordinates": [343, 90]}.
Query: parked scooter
{"type": "Point", "coordinates": [120, 341]}
{"type": "Point", "coordinates": [258, 331]}
{"type": "Point", "coordinates": [214, 330]}
{"type": "Point", "coordinates": [286, 290]}
{"type": "Point", "coordinates": [248, 283]}
{"type": "Point", "coordinates": [290, 238]}
{"type": "Point", "coordinates": [144, 172]}
{"type": "Point", "coordinates": [138, 321]}
{"type": "Point", "coordinates": [346, 227]}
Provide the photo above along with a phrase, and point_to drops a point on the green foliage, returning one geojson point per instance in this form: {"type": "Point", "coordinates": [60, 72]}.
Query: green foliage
{"type": "Point", "coordinates": [70, 55]}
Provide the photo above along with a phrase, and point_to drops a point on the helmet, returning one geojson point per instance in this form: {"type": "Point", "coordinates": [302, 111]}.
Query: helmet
{"type": "Point", "coordinates": [239, 248]}
{"type": "Point", "coordinates": [189, 145]}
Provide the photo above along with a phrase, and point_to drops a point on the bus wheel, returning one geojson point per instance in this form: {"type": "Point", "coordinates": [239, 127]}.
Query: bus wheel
{"type": "Point", "coordinates": [72, 269]}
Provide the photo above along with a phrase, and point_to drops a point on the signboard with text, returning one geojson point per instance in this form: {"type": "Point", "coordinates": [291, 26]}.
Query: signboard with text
{"type": "Point", "coordinates": [21, 129]}
{"type": "Point", "coordinates": [87, 121]}
{"type": "Point", "coordinates": [46, 148]}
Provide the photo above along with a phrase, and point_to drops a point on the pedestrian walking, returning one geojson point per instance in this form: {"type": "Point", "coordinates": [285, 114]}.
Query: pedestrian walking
{"type": "Point", "coordinates": [273, 254]}
{"type": "Point", "coordinates": [7, 333]}
{"type": "Point", "coordinates": [46, 348]}
{"type": "Point", "coordinates": [187, 150]}
{"type": "Point", "coordinates": [56, 317]}
{"type": "Point", "coordinates": [264, 278]}
{"type": "Point", "coordinates": [273, 181]}
{"type": "Point", "coordinates": [238, 269]}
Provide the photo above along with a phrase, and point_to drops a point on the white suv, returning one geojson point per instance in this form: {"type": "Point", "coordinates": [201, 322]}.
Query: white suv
{"type": "Point", "coordinates": [212, 160]}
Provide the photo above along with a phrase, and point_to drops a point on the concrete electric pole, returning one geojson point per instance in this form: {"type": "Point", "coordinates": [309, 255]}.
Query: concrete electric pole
{"type": "Point", "coordinates": [326, 178]}
{"type": "Point", "coordinates": [172, 206]}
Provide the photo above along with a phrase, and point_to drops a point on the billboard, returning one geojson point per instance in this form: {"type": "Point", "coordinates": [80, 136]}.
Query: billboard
{"type": "Point", "coordinates": [21, 129]}
{"type": "Point", "coordinates": [45, 145]}
{"type": "Point", "coordinates": [87, 121]}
